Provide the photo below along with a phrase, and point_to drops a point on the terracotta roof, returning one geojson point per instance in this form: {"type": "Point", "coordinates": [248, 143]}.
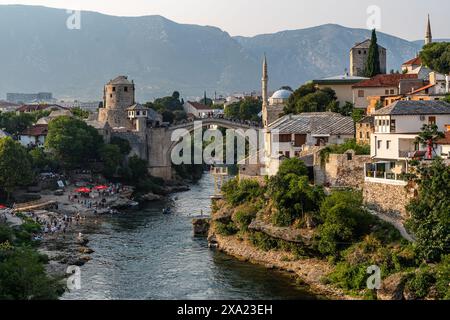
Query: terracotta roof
{"type": "Point", "coordinates": [385, 80]}
{"type": "Point", "coordinates": [445, 140]}
{"type": "Point", "coordinates": [199, 106]}
{"type": "Point", "coordinates": [36, 130]}
{"type": "Point", "coordinates": [413, 62]}
{"type": "Point", "coordinates": [423, 88]}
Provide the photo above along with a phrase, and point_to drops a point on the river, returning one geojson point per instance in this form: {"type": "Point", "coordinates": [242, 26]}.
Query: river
{"type": "Point", "coordinates": [148, 255]}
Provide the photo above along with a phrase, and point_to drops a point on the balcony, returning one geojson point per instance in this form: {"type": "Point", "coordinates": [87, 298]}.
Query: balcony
{"type": "Point", "coordinates": [385, 172]}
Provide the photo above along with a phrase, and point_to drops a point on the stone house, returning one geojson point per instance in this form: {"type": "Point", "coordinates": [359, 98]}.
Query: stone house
{"type": "Point", "coordinates": [34, 136]}
{"type": "Point", "coordinates": [358, 58]}
{"type": "Point", "coordinates": [364, 129]}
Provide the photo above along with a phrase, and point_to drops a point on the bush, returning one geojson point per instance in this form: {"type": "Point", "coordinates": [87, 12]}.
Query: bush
{"type": "Point", "coordinates": [244, 217]}
{"type": "Point", "coordinates": [349, 277]}
{"type": "Point", "coordinates": [344, 221]}
{"type": "Point", "coordinates": [226, 229]}
{"type": "Point", "coordinates": [6, 234]}
{"type": "Point", "coordinates": [420, 283]}
{"type": "Point", "coordinates": [351, 144]}
{"type": "Point", "coordinates": [238, 192]}
{"type": "Point", "coordinates": [263, 241]}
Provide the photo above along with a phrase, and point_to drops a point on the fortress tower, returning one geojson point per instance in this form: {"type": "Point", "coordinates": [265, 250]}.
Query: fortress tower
{"type": "Point", "coordinates": [118, 96]}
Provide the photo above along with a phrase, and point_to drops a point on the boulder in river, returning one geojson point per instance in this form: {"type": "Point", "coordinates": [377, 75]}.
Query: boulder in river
{"type": "Point", "coordinates": [201, 226]}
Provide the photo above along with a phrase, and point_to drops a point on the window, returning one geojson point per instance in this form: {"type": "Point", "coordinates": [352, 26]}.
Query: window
{"type": "Point", "coordinates": [360, 134]}
{"type": "Point", "coordinates": [386, 92]}
{"type": "Point", "coordinates": [349, 157]}
{"type": "Point", "coordinates": [392, 126]}
{"type": "Point", "coordinates": [360, 93]}
{"type": "Point", "coordinates": [287, 154]}
{"type": "Point", "coordinates": [379, 144]}
{"type": "Point", "coordinates": [284, 138]}
{"type": "Point", "coordinates": [114, 89]}
{"type": "Point", "coordinates": [125, 89]}
{"type": "Point", "coordinates": [110, 95]}
{"type": "Point", "coordinates": [388, 144]}
{"type": "Point", "coordinates": [392, 91]}
{"type": "Point", "coordinates": [432, 120]}
{"type": "Point", "coordinates": [367, 135]}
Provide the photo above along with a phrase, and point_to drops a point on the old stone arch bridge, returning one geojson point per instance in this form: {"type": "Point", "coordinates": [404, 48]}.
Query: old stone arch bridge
{"type": "Point", "coordinates": [160, 144]}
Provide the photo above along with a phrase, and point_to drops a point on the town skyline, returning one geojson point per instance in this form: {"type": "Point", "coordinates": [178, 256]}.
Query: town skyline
{"type": "Point", "coordinates": [267, 18]}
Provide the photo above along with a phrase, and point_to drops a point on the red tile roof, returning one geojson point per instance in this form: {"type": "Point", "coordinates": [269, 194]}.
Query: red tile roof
{"type": "Point", "coordinates": [445, 140]}
{"type": "Point", "coordinates": [199, 106]}
{"type": "Point", "coordinates": [385, 80]}
{"type": "Point", "coordinates": [36, 130]}
{"type": "Point", "coordinates": [413, 62]}
{"type": "Point", "coordinates": [428, 86]}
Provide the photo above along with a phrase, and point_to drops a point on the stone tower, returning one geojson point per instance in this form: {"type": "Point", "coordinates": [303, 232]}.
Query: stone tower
{"type": "Point", "coordinates": [428, 35]}
{"type": "Point", "coordinates": [358, 58]}
{"type": "Point", "coordinates": [264, 91]}
{"type": "Point", "coordinates": [118, 96]}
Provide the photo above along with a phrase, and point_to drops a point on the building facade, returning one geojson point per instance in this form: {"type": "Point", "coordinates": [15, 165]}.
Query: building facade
{"type": "Point", "coordinates": [358, 58]}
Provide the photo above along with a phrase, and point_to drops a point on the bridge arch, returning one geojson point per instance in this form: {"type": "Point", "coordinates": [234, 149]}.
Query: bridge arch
{"type": "Point", "coordinates": [160, 142]}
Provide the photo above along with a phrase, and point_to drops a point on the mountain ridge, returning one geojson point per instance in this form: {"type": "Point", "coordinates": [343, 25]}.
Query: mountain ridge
{"type": "Point", "coordinates": [41, 54]}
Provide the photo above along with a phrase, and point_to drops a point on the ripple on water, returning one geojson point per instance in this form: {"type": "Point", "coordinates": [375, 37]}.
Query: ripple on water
{"type": "Point", "coordinates": [148, 255]}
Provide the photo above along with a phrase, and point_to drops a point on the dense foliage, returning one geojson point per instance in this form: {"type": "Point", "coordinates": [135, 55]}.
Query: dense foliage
{"type": "Point", "coordinates": [170, 107]}
{"type": "Point", "coordinates": [15, 165]}
{"type": "Point", "coordinates": [72, 141]}
{"type": "Point", "coordinates": [436, 56]}
{"type": "Point", "coordinates": [247, 109]}
{"type": "Point", "coordinates": [14, 123]}
{"type": "Point", "coordinates": [308, 98]}
{"type": "Point", "coordinates": [430, 211]}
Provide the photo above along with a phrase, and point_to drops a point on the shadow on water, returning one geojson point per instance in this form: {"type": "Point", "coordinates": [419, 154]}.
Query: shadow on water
{"type": "Point", "coordinates": [146, 254]}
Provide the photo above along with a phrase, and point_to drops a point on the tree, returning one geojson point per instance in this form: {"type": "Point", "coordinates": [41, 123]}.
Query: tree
{"type": "Point", "coordinates": [138, 168]}
{"type": "Point", "coordinates": [41, 160]}
{"type": "Point", "coordinates": [123, 144]}
{"type": "Point", "coordinates": [23, 277]}
{"type": "Point", "coordinates": [428, 137]}
{"type": "Point", "coordinates": [112, 157]}
{"type": "Point", "coordinates": [372, 67]}
{"type": "Point", "coordinates": [292, 194]}
{"type": "Point", "coordinates": [15, 165]}
{"type": "Point", "coordinates": [246, 109]}
{"type": "Point", "coordinates": [80, 113]}
{"type": "Point", "coordinates": [436, 56]}
{"type": "Point", "coordinates": [344, 221]}
{"type": "Point", "coordinates": [430, 211]}
{"type": "Point", "coordinates": [72, 141]}
{"type": "Point", "coordinates": [308, 98]}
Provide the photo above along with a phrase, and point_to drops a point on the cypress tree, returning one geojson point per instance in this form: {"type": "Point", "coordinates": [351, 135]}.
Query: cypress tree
{"type": "Point", "coordinates": [372, 67]}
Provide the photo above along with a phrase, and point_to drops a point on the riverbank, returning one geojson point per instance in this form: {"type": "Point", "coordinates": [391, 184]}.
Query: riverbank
{"type": "Point", "coordinates": [309, 271]}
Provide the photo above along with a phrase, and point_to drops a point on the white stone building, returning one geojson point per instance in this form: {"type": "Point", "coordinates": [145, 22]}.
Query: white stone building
{"type": "Point", "coordinates": [393, 142]}
{"type": "Point", "coordinates": [291, 135]}
{"type": "Point", "coordinates": [34, 136]}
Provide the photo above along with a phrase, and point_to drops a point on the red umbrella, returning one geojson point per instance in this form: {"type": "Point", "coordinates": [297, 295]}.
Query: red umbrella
{"type": "Point", "coordinates": [101, 187]}
{"type": "Point", "coordinates": [83, 190]}
{"type": "Point", "coordinates": [3, 207]}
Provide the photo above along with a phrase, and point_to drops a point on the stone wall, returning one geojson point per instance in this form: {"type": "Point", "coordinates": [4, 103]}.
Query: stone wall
{"type": "Point", "coordinates": [341, 170]}
{"type": "Point", "coordinates": [387, 198]}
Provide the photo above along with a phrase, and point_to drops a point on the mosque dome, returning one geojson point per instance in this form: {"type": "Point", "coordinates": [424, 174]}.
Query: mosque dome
{"type": "Point", "coordinates": [282, 94]}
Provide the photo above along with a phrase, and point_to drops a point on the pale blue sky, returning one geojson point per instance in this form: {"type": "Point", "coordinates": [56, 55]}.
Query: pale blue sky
{"type": "Point", "coordinates": [403, 18]}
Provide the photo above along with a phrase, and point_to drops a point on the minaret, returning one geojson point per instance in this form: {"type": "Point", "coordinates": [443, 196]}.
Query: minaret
{"type": "Point", "coordinates": [264, 82]}
{"type": "Point", "coordinates": [428, 35]}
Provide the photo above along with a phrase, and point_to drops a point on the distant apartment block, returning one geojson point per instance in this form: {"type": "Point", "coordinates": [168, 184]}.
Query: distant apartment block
{"type": "Point", "coordinates": [29, 97]}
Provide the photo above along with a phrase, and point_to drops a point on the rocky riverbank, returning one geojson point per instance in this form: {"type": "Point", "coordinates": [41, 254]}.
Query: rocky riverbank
{"type": "Point", "coordinates": [309, 271]}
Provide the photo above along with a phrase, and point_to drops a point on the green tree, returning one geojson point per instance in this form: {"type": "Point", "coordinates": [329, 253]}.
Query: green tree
{"type": "Point", "coordinates": [428, 137]}
{"type": "Point", "coordinates": [15, 166]}
{"type": "Point", "coordinates": [138, 167]}
{"type": "Point", "coordinates": [246, 109]}
{"type": "Point", "coordinates": [123, 144]}
{"type": "Point", "coordinates": [430, 211]}
{"type": "Point", "coordinates": [112, 158]}
{"type": "Point", "coordinates": [72, 141]}
{"type": "Point", "coordinates": [344, 221]}
{"type": "Point", "coordinates": [80, 113]}
{"type": "Point", "coordinates": [436, 56]}
{"type": "Point", "coordinates": [42, 160]}
{"type": "Point", "coordinates": [23, 277]}
{"type": "Point", "coordinates": [372, 67]}
{"type": "Point", "coordinates": [308, 98]}
{"type": "Point", "coordinates": [292, 165]}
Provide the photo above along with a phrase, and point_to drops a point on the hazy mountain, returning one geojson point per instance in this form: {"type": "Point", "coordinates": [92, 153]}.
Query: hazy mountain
{"type": "Point", "coordinates": [39, 53]}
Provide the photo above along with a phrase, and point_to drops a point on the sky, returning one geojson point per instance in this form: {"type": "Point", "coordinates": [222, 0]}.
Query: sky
{"type": "Point", "coordinates": [402, 18]}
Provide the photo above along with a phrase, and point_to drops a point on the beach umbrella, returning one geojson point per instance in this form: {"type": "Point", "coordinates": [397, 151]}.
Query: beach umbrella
{"type": "Point", "coordinates": [83, 190]}
{"type": "Point", "coordinates": [3, 207]}
{"type": "Point", "coordinates": [102, 187]}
